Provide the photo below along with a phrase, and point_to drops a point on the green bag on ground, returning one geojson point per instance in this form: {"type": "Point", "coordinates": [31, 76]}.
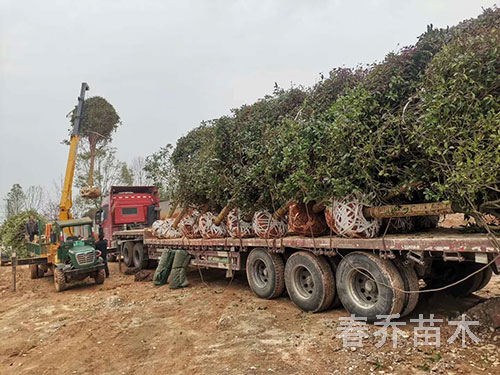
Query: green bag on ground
{"type": "Point", "coordinates": [164, 267]}
{"type": "Point", "coordinates": [179, 268]}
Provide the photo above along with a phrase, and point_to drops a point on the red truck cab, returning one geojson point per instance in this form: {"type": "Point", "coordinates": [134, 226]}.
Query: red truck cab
{"type": "Point", "coordinates": [128, 207]}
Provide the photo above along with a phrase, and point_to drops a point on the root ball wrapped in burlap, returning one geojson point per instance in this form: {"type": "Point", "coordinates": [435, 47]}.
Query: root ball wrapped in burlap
{"type": "Point", "coordinates": [302, 220]}
{"type": "Point", "coordinates": [265, 226]}
{"type": "Point", "coordinates": [166, 230]}
{"type": "Point", "coordinates": [345, 218]}
{"type": "Point", "coordinates": [209, 229]}
{"type": "Point", "coordinates": [237, 227]}
{"type": "Point", "coordinates": [189, 225]}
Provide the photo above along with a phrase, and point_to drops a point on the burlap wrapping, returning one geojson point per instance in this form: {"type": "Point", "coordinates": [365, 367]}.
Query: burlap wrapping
{"type": "Point", "coordinates": [265, 226]}
{"type": "Point", "coordinates": [345, 218]}
{"type": "Point", "coordinates": [302, 220]}
{"type": "Point", "coordinates": [209, 229]}
{"type": "Point", "coordinates": [237, 227]}
{"type": "Point", "coordinates": [189, 225]}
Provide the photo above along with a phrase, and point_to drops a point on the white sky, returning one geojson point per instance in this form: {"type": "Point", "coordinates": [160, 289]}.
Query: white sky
{"type": "Point", "coordinates": [167, 65]}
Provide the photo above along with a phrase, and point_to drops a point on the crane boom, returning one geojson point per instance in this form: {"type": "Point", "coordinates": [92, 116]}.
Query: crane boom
{"type": "Point", "coordinates": [66, 197]}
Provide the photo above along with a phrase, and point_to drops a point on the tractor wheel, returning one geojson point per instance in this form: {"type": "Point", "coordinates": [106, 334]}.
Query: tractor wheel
{"type": "Point", "coordinates": [265, 273]}
{"type": "Point", "coordinates": [34, 271]}
{"type": "Point", "coordinates": [100, 276]}
{"type": "Point", "coordinates": [138, 256]}
{"type": "Point", "coordinates": [410, 281]}
{"type": "Point", "coordinates": [309, 281]}
{"type": "Point", "coordinates": [127, 253]}
{"type": "Point", "coordinates": [59, 279]}
{"type": "Point", "coordinates": [369, 286]}
{"type": "Point", "coordinates": [334, 264]}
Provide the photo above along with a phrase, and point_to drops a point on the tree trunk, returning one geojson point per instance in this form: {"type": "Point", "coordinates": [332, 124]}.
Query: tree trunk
{"type": "Point", "coordinates": [319, 206]}
{"type": "Point", "coordinates": [179, 218]}
{"type": "Point", "coordinates": [222, 215]}
{"type": "Point", "coordinates": [282, 210]}
{"type": "Point", "coordinates": [171, 211]}
{"type": "Point", "coordinates": [405, 210]}
{"type": "Point", "coordinates": [93, 145]}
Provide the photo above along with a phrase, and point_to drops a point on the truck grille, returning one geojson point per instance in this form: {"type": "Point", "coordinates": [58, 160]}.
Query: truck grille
{"type": "Point", "coordinates": [85, 258]}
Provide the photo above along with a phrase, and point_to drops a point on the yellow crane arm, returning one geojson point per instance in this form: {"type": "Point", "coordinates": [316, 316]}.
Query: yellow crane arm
{"type": "Point", "coordinates": [66, 196]}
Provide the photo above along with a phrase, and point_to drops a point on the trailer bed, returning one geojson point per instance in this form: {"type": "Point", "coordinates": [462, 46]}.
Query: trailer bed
{"type": "Point", "coordinates": [440, 240]}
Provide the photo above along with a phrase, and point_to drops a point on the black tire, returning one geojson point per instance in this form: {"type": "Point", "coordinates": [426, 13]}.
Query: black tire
{"type": "Point", "coordinates": [34, 271]}
{"type": "Point", "coordinates": [470, 285]}
{"type": "Point", "coordinates": [59, 280]}
{"type": "Point", "coordinates": [410, 281]}
{"type": "Point", "coordinates": [334, 264]}
{"type": "Point", "coordinates": [369, 286]}
{"type": "Point", "coordinates": [487, 274]}
{"type": "Point", "coordinates": [127, 248]}
{"type": "Point", "coordinates": [100, 276]}
{"type": "Point", "coordinates": [139, 258]}
{"type": "Point", "coordinates": [265, 273]}
{"type": "Point", "coordinates": [309, 281]}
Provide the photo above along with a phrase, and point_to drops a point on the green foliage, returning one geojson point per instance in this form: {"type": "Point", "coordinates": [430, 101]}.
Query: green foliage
{"type": "Point", "coordinates": [15, 201]}
{"type": "Point", "coordinates": [13, 232]}
{"type": "Point", "coordinates": [423, 122]}
{"type": "Point", "coordinates": [99, 120]}
{"type": "Point", "coordinates": [159, 169]}
{"type": "Point", "coordinates": [126, 176]}
{"type": "Point", "coordinates": [458, 128]}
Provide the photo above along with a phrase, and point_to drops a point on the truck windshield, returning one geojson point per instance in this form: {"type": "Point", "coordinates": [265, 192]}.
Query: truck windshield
{"type": "Point", "coordinates": [129, 211]}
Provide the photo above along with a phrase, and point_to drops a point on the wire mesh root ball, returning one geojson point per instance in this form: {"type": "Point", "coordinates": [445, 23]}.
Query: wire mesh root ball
{"type": "Point", "coordinates": [345, 218]}
{"type": "Point", "coordinates": [166, 230]}
{"type": "Point", "coordinates": [189, 225]}
{"type": "Point", "coordinates": [265, 226]}
{"type": "Point", "coordinates": [209, 229]}
{"type": "Point", "coordinates": [302, 220]}
{"type": "Point", "coordinates": [237, 227]}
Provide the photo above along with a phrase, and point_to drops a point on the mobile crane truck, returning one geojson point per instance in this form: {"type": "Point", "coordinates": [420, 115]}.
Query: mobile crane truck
{"type": "Point", "coordinates": [68, 247]}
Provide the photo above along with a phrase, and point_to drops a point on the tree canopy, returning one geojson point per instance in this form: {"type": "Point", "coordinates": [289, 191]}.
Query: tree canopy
{"type": "Point", "coordinates": [421, 125]}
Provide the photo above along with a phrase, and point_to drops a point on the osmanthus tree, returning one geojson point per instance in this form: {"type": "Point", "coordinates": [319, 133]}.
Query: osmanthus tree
{"type": "Point", "coordinates": [297, 144]}
{"type": "Point", "coordinates": [99, 121]}
{"type": "Point", "coordinates": [197, 168]}
{"type": "Point", "coordinates": [366, 147]}
{"type": "Point", "coordinates": [242, 143]}
{"type": "Point", "coordinates": [458, 127]}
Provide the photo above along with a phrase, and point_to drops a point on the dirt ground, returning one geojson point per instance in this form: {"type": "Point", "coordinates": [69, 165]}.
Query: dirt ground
{"type": "Point", "coordinates": [213, 327]}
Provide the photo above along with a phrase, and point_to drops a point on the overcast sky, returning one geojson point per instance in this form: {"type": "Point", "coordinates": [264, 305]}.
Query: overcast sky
{"type": "Point", "coordinates": [167, 65]}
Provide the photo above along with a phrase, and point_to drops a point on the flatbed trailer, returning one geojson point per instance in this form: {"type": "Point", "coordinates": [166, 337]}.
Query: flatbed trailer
{"type": "Point", "coordinates": [358, 270]}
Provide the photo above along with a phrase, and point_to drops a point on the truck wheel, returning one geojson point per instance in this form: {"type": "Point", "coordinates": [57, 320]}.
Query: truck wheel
{"type": "Point", "coordinates": [138, 255]}
{"type": "Point", "coordinates": [309, 281]}
{"type": "Point", "coordinates": [368, 286]}
{"type": "Point", "coordinates": [127, 253]}
{"type": "Point", "coordinates": [469, 286]}
{"type": "Point", "coordinates": [100, 276]}
{"type": "Point", "coordinates": [410, 281]}
{"type": "Point", "coordinates": [265, 273]}
{"type": "Point", "coordinates": [34, 271]}
{"type": "Point", "coordinates": [59, 279]}
{"type": "Point", "coordinates": [487, 274]}
{"type": "Point", "coordinates": [334, 264]}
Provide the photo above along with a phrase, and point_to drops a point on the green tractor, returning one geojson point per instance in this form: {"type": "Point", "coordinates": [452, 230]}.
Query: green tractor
{"type": "Point", "coordinates": [70, 253]}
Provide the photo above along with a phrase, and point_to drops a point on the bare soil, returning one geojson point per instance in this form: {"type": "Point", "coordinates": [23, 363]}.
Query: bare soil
{"type": "Point", "coordinates": [215, 327]}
